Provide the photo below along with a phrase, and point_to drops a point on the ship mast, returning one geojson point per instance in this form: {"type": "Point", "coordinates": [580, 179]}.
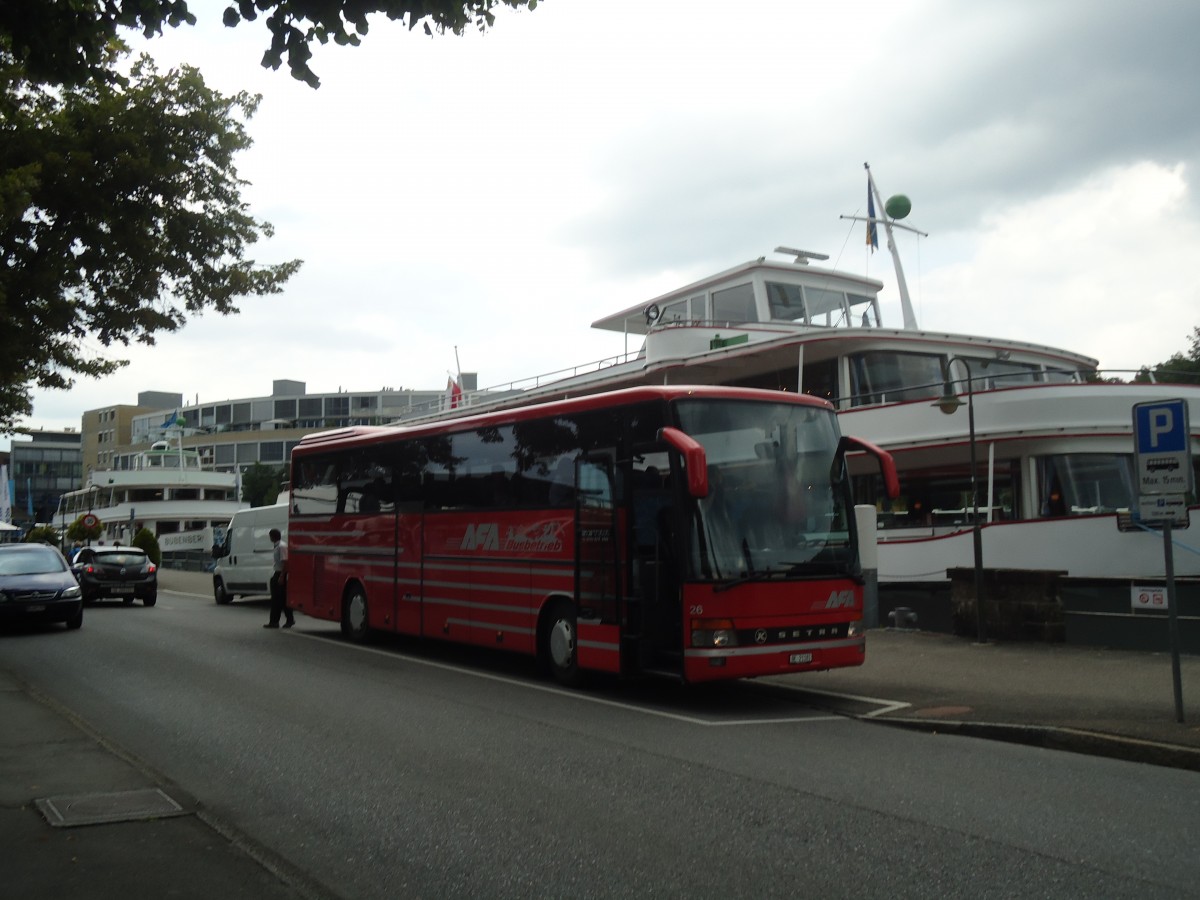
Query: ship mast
{"type": "Point", "coordinates": [906, 309]}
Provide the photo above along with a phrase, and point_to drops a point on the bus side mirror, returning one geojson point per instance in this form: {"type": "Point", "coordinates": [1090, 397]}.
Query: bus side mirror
{"type": "Point", "coordinates": [887, 465]}
{"type": "Point", "coordinates": [693, 456]}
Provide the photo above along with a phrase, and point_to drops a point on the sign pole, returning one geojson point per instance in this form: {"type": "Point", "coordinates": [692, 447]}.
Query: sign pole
{"type": "Point", "coordinates": [1173, 620]}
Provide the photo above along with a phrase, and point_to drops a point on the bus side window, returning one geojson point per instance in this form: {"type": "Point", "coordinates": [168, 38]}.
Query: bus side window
{"type": "Point", "coordinates": [562, 485]}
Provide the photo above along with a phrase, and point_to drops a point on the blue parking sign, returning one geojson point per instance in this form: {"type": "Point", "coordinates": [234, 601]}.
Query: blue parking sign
{"type": "Point", "coordinates": [1162, 447]}
{"type": "Point", "coordinates": [1160, 427]}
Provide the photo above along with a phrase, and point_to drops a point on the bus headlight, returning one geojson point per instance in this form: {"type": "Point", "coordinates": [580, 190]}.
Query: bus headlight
{"type": "Point", "coordinates": [711, 633]}
{"type": "Point", "coordinates": [855, 628]}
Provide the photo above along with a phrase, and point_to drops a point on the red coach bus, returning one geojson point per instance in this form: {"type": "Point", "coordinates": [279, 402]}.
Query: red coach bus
{"type": "Point", "coordinates": [701, 532]}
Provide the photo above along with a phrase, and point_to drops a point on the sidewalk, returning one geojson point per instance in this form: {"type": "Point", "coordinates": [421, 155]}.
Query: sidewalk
{"type": "Point", "coordinates": [1104, 702]}
{"type": "Point", "coordinates": [120, 828]}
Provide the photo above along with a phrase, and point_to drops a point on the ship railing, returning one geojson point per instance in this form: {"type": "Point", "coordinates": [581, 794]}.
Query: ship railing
{"type": "Point", "coordinates": [478, 399]}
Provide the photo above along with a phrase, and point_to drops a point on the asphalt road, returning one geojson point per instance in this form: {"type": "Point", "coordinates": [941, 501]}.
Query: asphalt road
{"type": "Point", "coordinates": [405, 769]}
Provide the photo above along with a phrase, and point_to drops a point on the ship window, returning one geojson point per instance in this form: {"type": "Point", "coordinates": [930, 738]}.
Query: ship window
{"type": "Point", "coordinates": [735, 304]}
{"type": "Point", "coordinates": [820, 379]}
{"type": "Point", "coordinates": [821, 301]}
{"type": "Point", "coordinates": [941, 497]}
{"type": "Point", "coordinates": [786, 302]}
{"type": "Point", "coordinates": [989, 374]}
{"type": "Point", "coordinates": [1081, 484]}
{"type": "Point", "coordinates": [884, 376]}
{"type": "Point", "coordinates": [675, 312]}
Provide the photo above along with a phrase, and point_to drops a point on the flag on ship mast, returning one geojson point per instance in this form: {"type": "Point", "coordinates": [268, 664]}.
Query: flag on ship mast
{"type": "Point", "coordinates": [872, 232]}
{"type": "Point", "coordinates": [453, 393]}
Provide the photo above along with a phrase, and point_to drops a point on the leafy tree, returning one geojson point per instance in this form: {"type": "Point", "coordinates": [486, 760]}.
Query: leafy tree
{"type": "Point", "coordinates": [260, 484]}
{"type": "Point", "coordinates": [43, 534]}
{"type": "Point", "coordinates": [77, 531]}
{"type": "Point", "coordinates": [1179, 369]}
{"type": "Point", "coordinates": [65, 42]}
{"type": "Point", "coordinates": [120, 215]}
{"type": "Point", "coordinates": [146, 540]}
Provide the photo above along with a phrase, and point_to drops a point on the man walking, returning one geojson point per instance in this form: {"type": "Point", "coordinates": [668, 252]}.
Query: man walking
{"type": "Point", "coordinates": [279, 583]}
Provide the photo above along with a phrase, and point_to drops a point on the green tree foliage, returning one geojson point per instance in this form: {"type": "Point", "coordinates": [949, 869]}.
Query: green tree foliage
{"type": "Point", "coordinates": [43, 534]}
{"type": "Point", "coordinates": [260, 484]}
{"type": "Point", "coordinates": [77, 531]}
{"type": "Point", "coordinates": [64, 41]}
{"type": "Point", "coordinates": [120, 215]}
{"type": "Point", "coordinates": [1179, 369]}
{"type": "Point", "coordinates": [146, 540]}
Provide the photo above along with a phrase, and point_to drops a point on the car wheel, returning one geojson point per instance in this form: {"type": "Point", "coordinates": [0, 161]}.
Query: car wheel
{"type": "Point", "coordinates": [150, 599]}
{"type": "Point", "coordinates": [77, 619]}
{"type": "Point", "coordinates": [355, 625]}
{"type": "Point", "coordinates": [560, 644]}
{"type": "Point", "coordinates": [221, 595]}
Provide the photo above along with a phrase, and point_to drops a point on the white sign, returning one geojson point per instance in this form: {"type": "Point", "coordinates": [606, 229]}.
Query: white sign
{"type": "Point", "coordinates": [1143, 597]}
{"type": "Point", "coordinates": [179, 541]}
{"type": "Point", "coordinates": [1163, 451]}
{"type": "Point", "coordinates": [1160, 508]}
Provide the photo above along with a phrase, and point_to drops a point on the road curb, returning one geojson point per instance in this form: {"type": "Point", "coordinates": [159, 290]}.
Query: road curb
{"type": "Point", "coordinates": [1049, 737]}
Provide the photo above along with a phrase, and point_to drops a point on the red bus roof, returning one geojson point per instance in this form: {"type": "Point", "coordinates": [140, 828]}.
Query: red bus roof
{"type": "Point", "coordinates": [369, 434]}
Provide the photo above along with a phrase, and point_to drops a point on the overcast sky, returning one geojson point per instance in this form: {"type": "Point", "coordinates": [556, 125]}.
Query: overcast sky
{"type": "Point", "coordinates": [497, 193]}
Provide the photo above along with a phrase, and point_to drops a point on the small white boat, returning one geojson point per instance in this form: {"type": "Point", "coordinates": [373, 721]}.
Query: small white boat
{"type": "Point", "coordinates": [168, 491]}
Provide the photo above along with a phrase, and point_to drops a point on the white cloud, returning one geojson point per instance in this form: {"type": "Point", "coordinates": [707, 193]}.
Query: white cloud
{"type": "Point", "coordinates": [1096, 269]}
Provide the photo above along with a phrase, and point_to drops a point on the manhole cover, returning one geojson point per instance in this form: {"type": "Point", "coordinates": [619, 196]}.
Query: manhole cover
{"type": "Point", "coordinates": [94, 809]}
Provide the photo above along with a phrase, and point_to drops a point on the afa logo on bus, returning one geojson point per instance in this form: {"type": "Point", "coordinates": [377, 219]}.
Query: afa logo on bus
{"type": "Point", "coordinates": [544, 537]}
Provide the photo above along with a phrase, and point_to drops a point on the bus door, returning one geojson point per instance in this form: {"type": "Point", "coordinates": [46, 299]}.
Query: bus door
{"type": "Point", "coordinates": [652, 640]}
{"type": "Point", "coordinates": [410, 532]}
{"type": "Point", "coordinates": [597, 583]}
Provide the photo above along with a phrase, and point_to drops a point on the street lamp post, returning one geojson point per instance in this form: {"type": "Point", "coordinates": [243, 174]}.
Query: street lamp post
{"type": "Point", "coordinates": [948, 403]}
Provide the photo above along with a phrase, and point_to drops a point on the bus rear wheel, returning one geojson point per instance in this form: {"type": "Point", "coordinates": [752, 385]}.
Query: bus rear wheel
{"type": "Point", "coordinates": [355, 625]}
{"type": "Point", "coordinates": [560, 644]}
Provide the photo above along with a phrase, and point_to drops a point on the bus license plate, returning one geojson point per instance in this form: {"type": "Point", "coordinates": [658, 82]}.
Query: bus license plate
{"type": "Point", "coordinates": [798, 659]}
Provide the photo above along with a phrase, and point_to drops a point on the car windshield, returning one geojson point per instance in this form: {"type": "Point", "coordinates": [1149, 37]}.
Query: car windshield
{"type": "Point", "coordinates": [30, 561]}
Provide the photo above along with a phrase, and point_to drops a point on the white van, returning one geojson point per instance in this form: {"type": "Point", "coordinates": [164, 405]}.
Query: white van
{"type": "Point", "coordinates": [245, 560]}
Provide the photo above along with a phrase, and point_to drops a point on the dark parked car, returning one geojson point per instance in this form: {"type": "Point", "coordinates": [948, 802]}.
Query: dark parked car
{"type": "Point", "coordinates": [36, 583]}
{"type": "Point", "coordinates": [124, 572]}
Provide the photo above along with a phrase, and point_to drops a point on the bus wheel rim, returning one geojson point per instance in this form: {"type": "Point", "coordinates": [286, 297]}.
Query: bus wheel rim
{"type": "Point", "coordinates": [358, 612]}
{"type": "Point", "coordinates": [562, 644]}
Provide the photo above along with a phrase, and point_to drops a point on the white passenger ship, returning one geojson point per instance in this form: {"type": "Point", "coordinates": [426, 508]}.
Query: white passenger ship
{"type": "Point", "coordinates": [168, 491]}
{"type": "Point", "coordinates": [1054, 443]}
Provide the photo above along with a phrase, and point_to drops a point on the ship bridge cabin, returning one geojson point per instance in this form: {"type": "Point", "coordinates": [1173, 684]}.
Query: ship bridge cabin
{"type": "Point", "coordinates": [795, 327]}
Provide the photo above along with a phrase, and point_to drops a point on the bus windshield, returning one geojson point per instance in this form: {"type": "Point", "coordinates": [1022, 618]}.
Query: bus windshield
{"type": "Point", "coordinates": [772, 508]}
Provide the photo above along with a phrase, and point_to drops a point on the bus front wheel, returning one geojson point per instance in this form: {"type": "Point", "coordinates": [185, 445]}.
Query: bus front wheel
{"type": "Point", "coordinates": [354, 615]}
{"type": "Point", "coordinates": [560, 644]}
